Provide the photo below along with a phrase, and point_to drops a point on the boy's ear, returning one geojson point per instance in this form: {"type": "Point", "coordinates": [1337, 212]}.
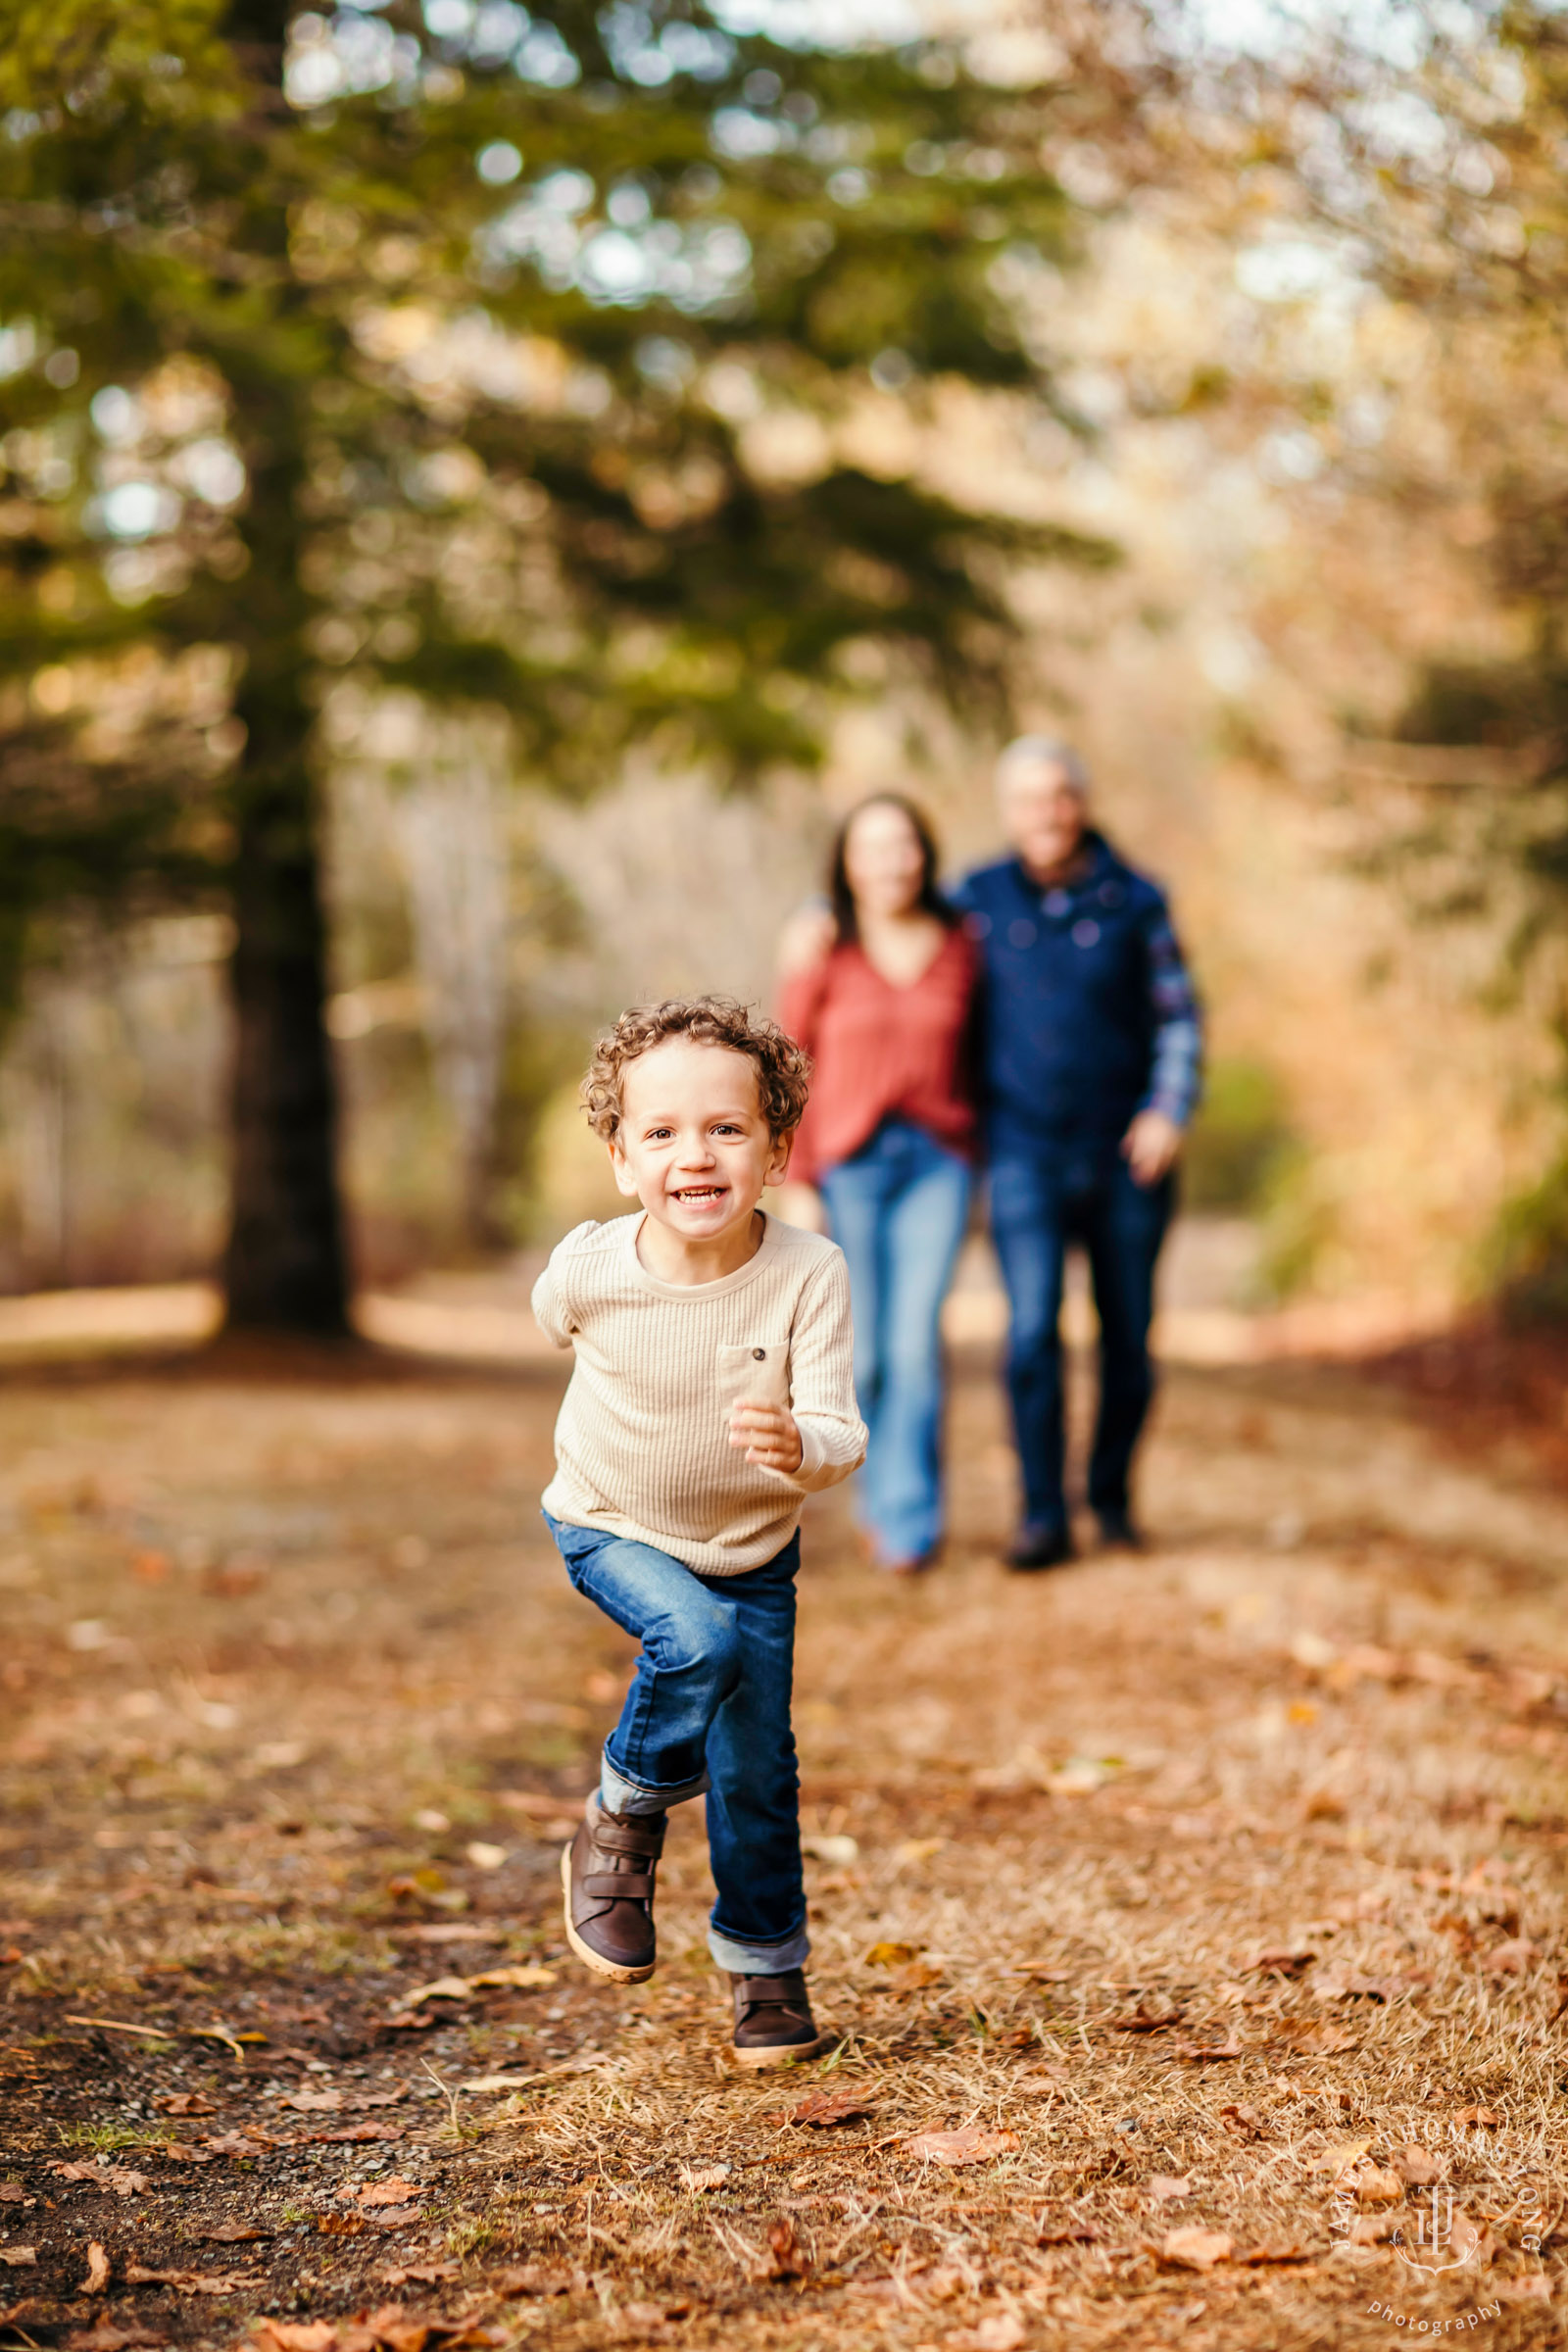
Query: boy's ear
{"type": "Point", "coordinates": [778, 1165]}
{"type": "Point", "coordinates": [625, 1182]}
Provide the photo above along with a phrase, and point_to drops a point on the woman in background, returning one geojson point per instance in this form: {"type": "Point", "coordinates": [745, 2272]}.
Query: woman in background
{"type": "Point", "coordinates": [879, 989]}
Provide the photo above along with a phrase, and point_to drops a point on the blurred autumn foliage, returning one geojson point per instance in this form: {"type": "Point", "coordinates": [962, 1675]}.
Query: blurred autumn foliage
{"type": "Point", "coordinates": [413, 350]}
{"type": "Point", "coordinates": [447, 448]}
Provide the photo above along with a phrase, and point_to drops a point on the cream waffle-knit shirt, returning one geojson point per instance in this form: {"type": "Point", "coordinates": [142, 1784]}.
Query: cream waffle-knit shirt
{"type": "Point", "coordinates": [642, 1445]}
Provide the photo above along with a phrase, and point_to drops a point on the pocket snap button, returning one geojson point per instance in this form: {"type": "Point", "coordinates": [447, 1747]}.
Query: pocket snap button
{"type": "Point", "coordinates": [760, 1353]}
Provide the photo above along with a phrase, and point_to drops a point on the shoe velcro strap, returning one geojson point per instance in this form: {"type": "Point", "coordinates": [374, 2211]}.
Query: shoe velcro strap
{"type": "Point", "coordinates": [612, 1885]}
{"type": "Point", "coordinates": [626, 1837]}
{"type": "Point", "coordinates": [764, 1992]}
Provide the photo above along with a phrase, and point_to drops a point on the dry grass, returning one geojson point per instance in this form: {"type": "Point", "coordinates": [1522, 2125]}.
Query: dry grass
{"type": "Point", "coordinates": [1329, 1716]}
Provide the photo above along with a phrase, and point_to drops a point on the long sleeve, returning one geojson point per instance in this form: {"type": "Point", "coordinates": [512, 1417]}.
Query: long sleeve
{"type": "Point", "coordinates": [1176, 1064]}
{"type": "Point", "coordinates": [551, 1307]}
{"type": "Point", "coordinates": [833, 1437]}
{"type": "Point", "coordinates": [800, 1009]}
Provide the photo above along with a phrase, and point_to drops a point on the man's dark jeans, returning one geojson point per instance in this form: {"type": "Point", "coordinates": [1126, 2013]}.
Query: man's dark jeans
{"type": "Point", "coordinates": [1042, 1199]}
{"type": "Point", "coordinates": [709, 1713]}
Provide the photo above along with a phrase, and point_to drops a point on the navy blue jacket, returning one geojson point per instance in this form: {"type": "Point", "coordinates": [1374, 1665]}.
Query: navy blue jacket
{"type": "Point", "coordinates": [1088, 1013]}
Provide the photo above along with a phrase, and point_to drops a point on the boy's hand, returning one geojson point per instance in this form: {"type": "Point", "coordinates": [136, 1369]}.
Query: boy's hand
{"type": "Point", "coordinates": [769, 1433]}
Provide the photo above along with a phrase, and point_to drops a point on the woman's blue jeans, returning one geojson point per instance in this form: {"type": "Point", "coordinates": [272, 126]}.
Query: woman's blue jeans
{"type": "Point", "coordinates": [708, 1714]}
{"type": "Point", "coordinates": [898, 1211]}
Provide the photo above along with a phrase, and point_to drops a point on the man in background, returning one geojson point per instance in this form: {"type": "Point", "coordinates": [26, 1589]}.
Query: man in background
{"type": "Point", "coordinates": [1090, 1045]}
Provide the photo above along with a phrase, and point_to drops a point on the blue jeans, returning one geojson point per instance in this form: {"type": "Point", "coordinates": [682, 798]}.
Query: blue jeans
{"type": "Point", "coordinates": [709, 1713]}
{"type": "Point", "coordinates": [1040, 1201]}
{"type": "Point", "coordinates": [898, 1211]}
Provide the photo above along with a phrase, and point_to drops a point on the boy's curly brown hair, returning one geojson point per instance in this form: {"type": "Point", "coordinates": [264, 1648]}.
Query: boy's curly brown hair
{"type": "Point", "coordinates": [783, 1070]}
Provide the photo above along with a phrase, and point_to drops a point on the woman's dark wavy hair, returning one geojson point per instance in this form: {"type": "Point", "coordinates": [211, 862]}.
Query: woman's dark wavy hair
{"type": "Point", "coordinates": [929, 900]}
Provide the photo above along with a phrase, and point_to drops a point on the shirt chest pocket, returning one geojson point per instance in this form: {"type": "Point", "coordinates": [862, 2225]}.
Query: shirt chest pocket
{"type": "Point", "coordinates": [760, 1375]}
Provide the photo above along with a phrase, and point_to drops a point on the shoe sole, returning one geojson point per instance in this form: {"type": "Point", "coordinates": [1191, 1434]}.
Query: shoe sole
{"type": "Point", "coordinates": [789, 2053]}
{"type": "Point", "coordinates": [585, 1952]}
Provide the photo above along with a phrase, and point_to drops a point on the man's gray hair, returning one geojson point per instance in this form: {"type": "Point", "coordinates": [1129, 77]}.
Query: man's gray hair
{"type": "Point", "coordinates": [1045, 751]}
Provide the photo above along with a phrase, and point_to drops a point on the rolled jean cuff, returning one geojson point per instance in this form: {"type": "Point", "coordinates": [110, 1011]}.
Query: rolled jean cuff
{"type": "Point", "coordinates": [759, 1959]}
{"type": "Point", "coordinates": [617, 1794]}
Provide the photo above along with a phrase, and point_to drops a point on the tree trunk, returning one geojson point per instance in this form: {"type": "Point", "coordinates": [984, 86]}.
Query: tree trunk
{"type": "Point", "coordinates": [285, 1267]}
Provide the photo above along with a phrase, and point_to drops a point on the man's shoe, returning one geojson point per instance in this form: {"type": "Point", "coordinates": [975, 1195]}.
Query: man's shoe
{"type": "Point", "coordinates": [773, 2021]}
{"type": "Point", "coordinates": [1039, 1548]}
{"type": "Point", "coordinates": [607, 1873]}
{"type": "Point", "coordinates": [1120, 1532]}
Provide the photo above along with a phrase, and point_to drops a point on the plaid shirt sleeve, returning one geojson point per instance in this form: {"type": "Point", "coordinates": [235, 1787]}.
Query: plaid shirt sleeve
{"type": "Point", "coordinates": [1176, 1074]}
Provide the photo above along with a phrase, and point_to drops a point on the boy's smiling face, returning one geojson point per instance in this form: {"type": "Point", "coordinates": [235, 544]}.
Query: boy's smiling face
{"type": "Point", "coordinates": [693, 1145]}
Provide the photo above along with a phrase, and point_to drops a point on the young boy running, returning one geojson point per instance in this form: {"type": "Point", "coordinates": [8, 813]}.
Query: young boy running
{"type": "Point", "coordinates": [713, 1389]}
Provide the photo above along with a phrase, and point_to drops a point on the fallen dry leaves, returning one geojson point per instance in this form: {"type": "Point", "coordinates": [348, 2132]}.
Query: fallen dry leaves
{"type": "Point", "coordinates": [529, 1977]}
{"type": "Point", "coordinates": [1314, 2040]}
{"type": "Point", "coordinates": [821, 2110]}
{"type": "Point", "coordinates": [891, 1955]}
{"type": "Point", "coordinates": [974, 2143]}
{"type": "Point", "coordinates": [97, 2278]}
{"type": "Point", "coordinates": [394, 2191]}
{"type": "Point", "coordinates": [391, 2328]}
{"type": "Point", "coordinates": [1168, 2189]}
{"type": "Point", "coordinates": [1419, 2167]}
{"type": "Point", "coordinates": [1201, 2053]}
{"type": "Point", "coordinates": [195, 2282]}
{"type": "Point", "coordinates": [1194, 2249]}
{"type": "Point", "coordinates": [699, 2179]}
{"type": "Point", "coordinates": [1279, 1962]}
{"type": "Point", "coordinates": [1002, 2331]}
{"type": "Point", "coordinates": [104, 2336]}
{"type": "Point", "coordinates": [1068, 2234]}
{"type": "Point", "coordinates": [121, 2177]}
{"type": "Point", "coordinates": [543, 2279]}
{"type": "Point", "coordinates": [1514, 1958]}
{"type": "Point", "coordinates": [787, 2257]}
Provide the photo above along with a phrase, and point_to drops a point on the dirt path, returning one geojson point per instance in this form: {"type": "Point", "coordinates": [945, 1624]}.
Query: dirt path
{"type": "Point", "coordinates": [1220, 1892]}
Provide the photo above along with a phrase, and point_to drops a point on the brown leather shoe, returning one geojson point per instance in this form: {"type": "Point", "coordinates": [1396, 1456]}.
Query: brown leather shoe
{"type": "Point", "coordinates": [773, 2021]}
{"type": "Point", "coordinates": [607, 1873]}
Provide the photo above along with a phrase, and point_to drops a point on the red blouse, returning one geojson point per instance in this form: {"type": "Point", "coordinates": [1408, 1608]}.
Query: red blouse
{"type": "Point", "coordinates": [883, 1052]}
